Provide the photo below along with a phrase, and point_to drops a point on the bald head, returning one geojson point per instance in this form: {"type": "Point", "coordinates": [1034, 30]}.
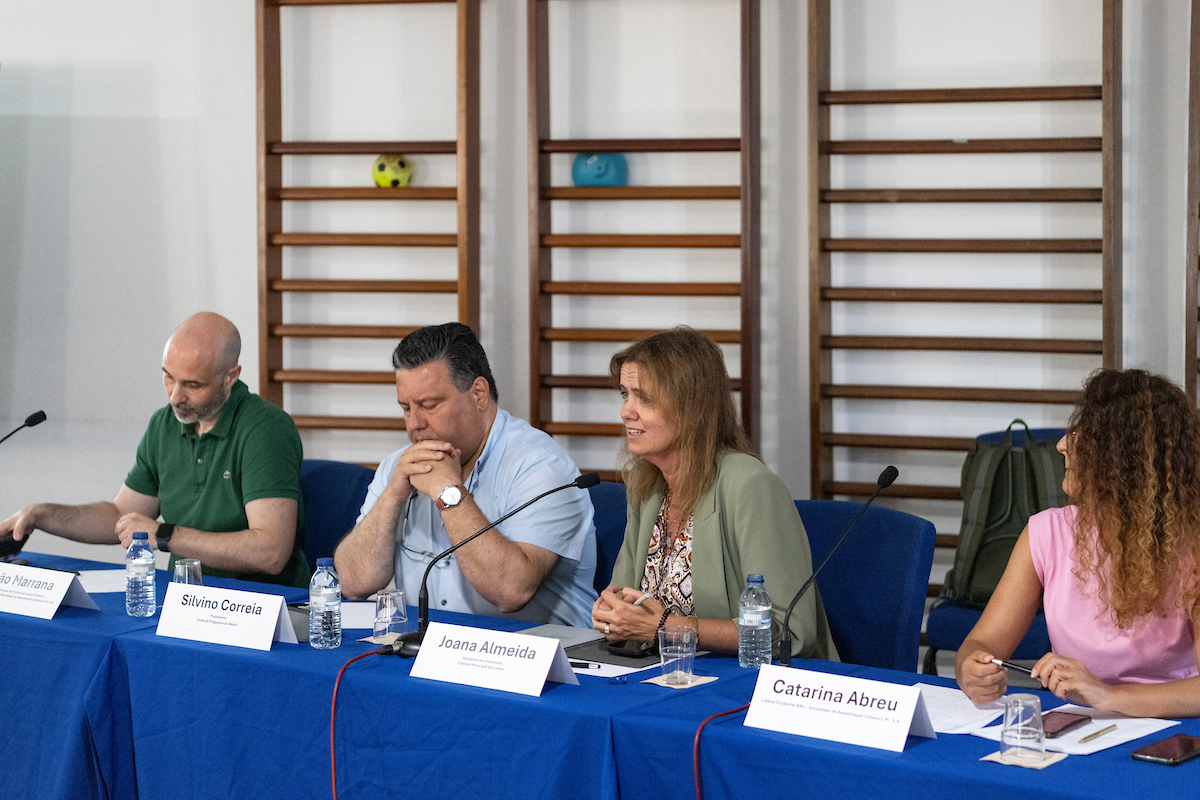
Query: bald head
{"type": "Point", "coordinates": [200, 366]}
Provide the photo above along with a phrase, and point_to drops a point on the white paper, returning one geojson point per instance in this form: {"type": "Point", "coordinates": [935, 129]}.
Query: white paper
{"type": "Point", "coordinates": [225, 616]}
{"type": "Point", "coordinates": [1128, 729]}
{"type": "Point", "coordinates": [36, 592]}
{"type": "Point", "coordinates": [358, 615]}
{"type": "Point", "coordinates": [838, 708]}
{"type": "Point", "coordinates": [510, 662]}
{"type": "Point", "coordinates": [101, 581]}
{"type": "Point", "coordinates": [952, 712]}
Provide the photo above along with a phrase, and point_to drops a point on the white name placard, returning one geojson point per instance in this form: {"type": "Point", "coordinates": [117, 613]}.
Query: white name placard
{"type": "Point", "coordinates": [34, 592]}
{"type": "Point", "coordinates": [838, 708]}
{"type": "Point", "coordinates": [510, 662]}
{"type": "Point", "coordinates": [225, 616]}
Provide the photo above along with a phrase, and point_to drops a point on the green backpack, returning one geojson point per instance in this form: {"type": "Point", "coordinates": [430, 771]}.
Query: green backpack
{"type": "Point", "coordinates": [1003, 485]}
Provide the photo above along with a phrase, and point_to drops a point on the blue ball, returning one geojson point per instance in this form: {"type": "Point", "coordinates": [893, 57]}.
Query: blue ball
{"type": "Point", "coordinates": [599, 169]}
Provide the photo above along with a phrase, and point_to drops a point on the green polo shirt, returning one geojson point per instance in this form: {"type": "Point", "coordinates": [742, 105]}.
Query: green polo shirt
{"type": "Point", "coordinates": [204, 482]}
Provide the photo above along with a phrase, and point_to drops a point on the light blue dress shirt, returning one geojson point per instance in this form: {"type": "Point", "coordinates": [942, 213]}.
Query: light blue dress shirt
{"type": "Point", "coordinates": [518, 463]}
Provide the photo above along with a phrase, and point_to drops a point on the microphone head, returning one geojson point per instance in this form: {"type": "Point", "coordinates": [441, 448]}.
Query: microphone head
{"type": "Point", "coordinates": [36, 418]}
{"type": "Point", "coordinates": [587, 480]}
{"type": "Point", "coordinates": [887, 476]}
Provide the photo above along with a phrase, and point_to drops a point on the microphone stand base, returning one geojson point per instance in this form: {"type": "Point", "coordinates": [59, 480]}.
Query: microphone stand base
{"type": "Point", "coordinates": [408, 645]}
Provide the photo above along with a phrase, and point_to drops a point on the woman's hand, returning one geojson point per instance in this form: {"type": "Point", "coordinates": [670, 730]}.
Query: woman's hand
{"type": "Point", "coordinates": [980, 679]}
{"type": "Point", "coordinates": [615, 615]}
{"type": "Point", "coordinates": [1071, 680]}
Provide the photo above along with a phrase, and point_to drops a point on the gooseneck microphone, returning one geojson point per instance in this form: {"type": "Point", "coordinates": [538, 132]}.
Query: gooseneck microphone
{"type": "Point", "coordinates": [408, 645]}
{"type": "Point", "coordinates": [36, 418]}
{"type": "Point", "coordinates": [785, 639]}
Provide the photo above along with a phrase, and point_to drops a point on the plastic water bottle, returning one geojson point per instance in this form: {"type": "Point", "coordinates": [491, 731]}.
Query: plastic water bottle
{"type": "Point", "coordinates": [139, 578]}
{"type": "Point", "coordinates": [754, 624]}
{"type": "Point", "coordinates": [325, 607]}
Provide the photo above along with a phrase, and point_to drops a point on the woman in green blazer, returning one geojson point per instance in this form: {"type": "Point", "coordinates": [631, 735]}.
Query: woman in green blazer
{"type": "Point", "coordinates": [704, 512]}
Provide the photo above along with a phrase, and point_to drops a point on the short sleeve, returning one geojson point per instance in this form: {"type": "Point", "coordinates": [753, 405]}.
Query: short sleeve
{"type": "Point", "coordinates": [271, 460]}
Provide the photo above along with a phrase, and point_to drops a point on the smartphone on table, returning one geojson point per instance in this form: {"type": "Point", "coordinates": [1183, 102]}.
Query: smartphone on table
{"type": "Point", "coordinates": [1057, 722]}
{"type": "Point", "coordinates": [1172, 751]}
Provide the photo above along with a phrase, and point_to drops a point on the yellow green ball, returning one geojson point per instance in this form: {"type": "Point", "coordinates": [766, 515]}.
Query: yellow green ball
{"type": "Point", "coordinates": [389, 171]}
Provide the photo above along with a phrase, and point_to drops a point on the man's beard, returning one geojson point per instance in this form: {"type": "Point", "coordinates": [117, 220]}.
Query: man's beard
{"type": "Point", "coordinates": [190, 415]}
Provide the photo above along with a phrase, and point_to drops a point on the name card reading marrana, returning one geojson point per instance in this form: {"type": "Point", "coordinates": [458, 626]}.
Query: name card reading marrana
{"type": "Point", "coordinates": [34, 592]}
{"type": "Point", "coordinates": [510, 662]}
{"type": "Point", "coordinates": [838, 708]}
{"type": "Point", "coordinates": [225, 616]}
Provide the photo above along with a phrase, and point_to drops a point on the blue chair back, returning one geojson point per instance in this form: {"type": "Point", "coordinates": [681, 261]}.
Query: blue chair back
{"type": "Point", "coordinates": [874, 587]}
{"type": "Point", "coordinates": [608, 499]}
{"type": "Point", "coordinates": [333, 495]}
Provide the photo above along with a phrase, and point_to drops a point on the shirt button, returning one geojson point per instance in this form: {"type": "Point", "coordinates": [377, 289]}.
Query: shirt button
{"type": "Point", "coordinates": [199, 460]}
{"type": "Point", "coordinates": [443, 602]}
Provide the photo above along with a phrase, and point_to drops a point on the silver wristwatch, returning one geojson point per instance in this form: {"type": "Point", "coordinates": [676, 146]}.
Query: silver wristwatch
{"type": "Point", "coordinates": [450, 497]}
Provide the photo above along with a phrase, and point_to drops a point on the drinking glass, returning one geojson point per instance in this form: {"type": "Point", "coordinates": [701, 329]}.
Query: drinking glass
{"type": "Point", "coordinates": [391, 615]}
{"type": "Point", "coordinates": [677, 651]}
{"type": "Point", "coordinates": [1021, 739]}
{"type": "Point", "coordinates": [187, 570]}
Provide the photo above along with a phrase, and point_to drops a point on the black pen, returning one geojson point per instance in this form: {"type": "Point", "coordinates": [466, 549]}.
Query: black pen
{"type": "Point", "coordinates": [1010, 665]}
{"type": "Point", "coordinates": [584, 665]}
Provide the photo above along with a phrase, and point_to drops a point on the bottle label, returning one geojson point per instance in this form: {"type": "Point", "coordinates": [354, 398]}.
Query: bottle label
{"type": "Point", "coordinates": [138, 571]}
{"type": "Point", "coordinates": [751, 618]}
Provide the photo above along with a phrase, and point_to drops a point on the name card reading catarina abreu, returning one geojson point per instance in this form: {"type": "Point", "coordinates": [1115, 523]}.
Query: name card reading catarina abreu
{"type": "Point", "coordinates": [838, 708]}
{"type": "Point", "coordinates": [225, 616]}
{"type": "Point", "coordinates": [510, 662]}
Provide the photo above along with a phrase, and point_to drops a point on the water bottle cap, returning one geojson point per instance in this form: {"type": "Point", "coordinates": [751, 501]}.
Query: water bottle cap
{"type": "Point", "coordinates": [754, 579]}
{"type": "Point", "coordinates": [141, 536]}
{"type": "Point", "coordinates": [324, 562]}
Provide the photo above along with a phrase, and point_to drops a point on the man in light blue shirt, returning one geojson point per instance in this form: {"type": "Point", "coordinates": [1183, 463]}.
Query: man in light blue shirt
{"type": "Point", "coordinates": [470, 463]}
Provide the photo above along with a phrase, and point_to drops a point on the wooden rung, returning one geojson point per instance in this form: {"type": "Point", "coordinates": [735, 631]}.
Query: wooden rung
{"type": "Point", "coordinates": [952, 394]}
{"type": "Point", "coordinates": [697, 240]}
{"type": "Point", "coordinates": [331, 376]}
{"type": "Point", "coordinates": [600, 382]}
{"type": "Point", "coordinates": [879, 442]}
{"type": "Point", "coordinates": [312, 422]}
{"type": "Point", "coordinates": [347, 3]}
{"type": "Point", "coordinates": [876, 147]}
{"type": "Point", "coordinates": [364, 240]}
{"type": "Point", "coordinates": [360, 148]}
{"type": "Point", "coordinates": [895, 490]}
{"type": "Point", "coordinates": [584, 428]}
{"type": "Point", "coordinates": [640, 145]}
{"type": "Point", "coordinates": [642, 289]}
{"type": "Point", "coordinates": [961, 196]}
{"type": "Point", "coordinates": [396, 332]}
{"type": "Point", "coordinates": [625, 335]}
{"type": "Point", "coordinates": [871, 294]}
{"type": "Point", "coordinates": [1084, 346]}
{"type": "Point", "coordinates": [642, 193]}
{"type": "Point", "coordinates": [946, 540]}
{"type": "Point", "coordinates": [367, 193]}
{"type": "Point", "coordinates": [403, 287]}
{"type": "Point", "coordinates": [962, 245]}
{"type": "Point", "coordinates": [995, 94]}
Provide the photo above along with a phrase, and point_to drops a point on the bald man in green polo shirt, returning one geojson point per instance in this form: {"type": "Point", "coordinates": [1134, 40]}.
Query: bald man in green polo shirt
{"type": "Point", "coordinates": [221, 466]}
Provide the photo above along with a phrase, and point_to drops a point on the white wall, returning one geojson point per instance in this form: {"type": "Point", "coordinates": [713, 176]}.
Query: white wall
{"type": "Point", "coordinates": [127, 186]}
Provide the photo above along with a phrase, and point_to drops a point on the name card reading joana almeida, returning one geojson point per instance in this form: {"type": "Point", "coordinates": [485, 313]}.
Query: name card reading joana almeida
{"type": "Point", "coordinates": [33, 592]}
{"type": "Point", "coordinates": [510, 662]}
{"type": "Point", "coordinates": [225, 616]}
{"type": "Point", "coordinates": [838, 708]}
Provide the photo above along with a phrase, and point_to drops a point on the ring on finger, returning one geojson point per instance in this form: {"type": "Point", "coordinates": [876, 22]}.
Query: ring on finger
{"type": "Point", "coordinates": [607, 629]}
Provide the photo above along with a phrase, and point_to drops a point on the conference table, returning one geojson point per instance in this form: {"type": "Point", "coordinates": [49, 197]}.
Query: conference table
{"type": "Point", "coordinates": [99, 706]}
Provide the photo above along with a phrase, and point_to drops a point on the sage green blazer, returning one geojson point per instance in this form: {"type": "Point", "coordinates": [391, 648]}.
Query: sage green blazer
{"type": "Point", "coordinates": [745, 524]}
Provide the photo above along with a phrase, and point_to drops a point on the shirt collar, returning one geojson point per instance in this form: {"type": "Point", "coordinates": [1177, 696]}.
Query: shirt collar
{"type": "Point", "coordinates": [228, 412]}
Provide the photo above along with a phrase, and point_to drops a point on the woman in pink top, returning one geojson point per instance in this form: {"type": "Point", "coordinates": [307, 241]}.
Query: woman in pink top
{"type": "Point", "coordinates": [1116, 572]}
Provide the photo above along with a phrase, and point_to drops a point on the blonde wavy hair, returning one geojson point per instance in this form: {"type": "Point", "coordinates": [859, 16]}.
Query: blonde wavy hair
{"type": "Point", "coordinates": [683, 372]}
{"type": "Point", "coordinates": [1134, 442]}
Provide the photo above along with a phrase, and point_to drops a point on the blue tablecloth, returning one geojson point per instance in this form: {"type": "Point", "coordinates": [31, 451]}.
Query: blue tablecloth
{"type": "Point", "coordinates": [654, 757]}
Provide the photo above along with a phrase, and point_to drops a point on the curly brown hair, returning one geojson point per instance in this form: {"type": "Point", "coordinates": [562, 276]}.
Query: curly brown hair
{"type": "Point", "coordinates": [685, 372]}
{"type": "Point", "coordinates": [1134, 443]}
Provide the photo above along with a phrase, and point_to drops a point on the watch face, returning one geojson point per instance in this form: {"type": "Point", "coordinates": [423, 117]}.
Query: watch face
{"type": "Point", "coordinates": [450, 496]}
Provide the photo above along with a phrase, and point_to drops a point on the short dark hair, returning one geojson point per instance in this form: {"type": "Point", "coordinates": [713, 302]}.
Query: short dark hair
{"type": "Point", "coordinates": [453, 343]}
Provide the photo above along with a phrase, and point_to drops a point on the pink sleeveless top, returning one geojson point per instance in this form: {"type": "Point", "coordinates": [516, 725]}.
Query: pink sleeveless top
{"type": "Point", "coordinates": [1152, 650]}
